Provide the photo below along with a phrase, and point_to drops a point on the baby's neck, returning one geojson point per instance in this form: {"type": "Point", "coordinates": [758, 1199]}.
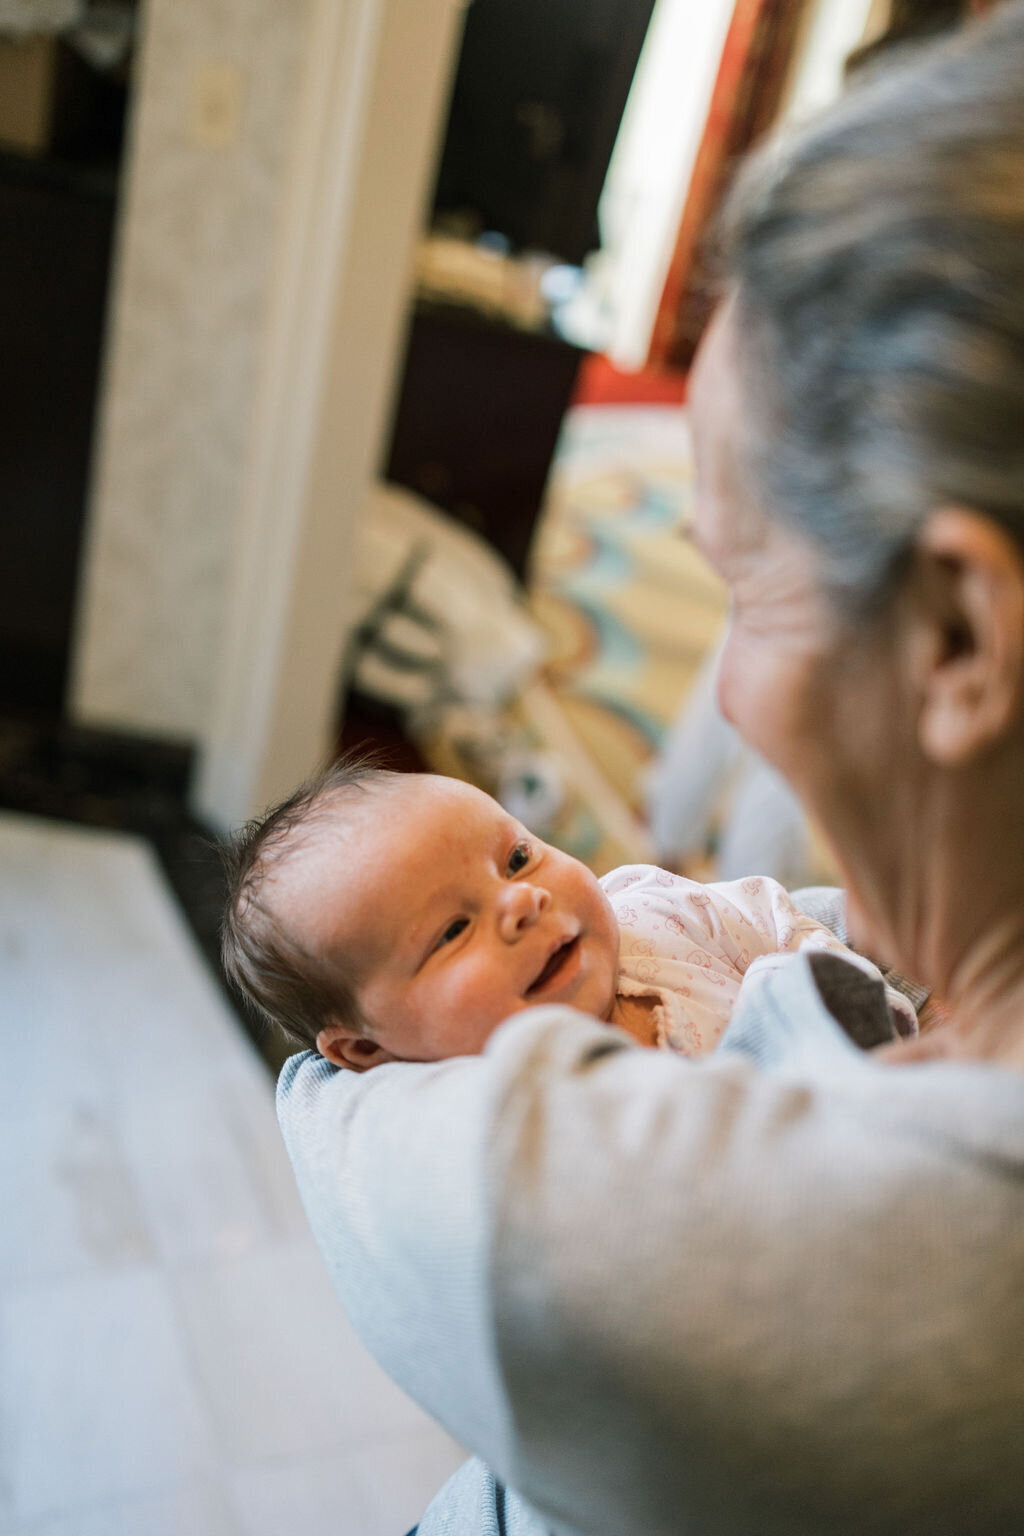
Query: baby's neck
{"type": "Point", "coordinates": [637, 1016]}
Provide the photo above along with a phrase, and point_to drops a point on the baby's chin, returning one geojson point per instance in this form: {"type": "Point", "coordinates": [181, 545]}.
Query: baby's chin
{"type": "Point", "coordinates": [596, 992]}
{"type": "Point", "coordinates": [593, 1006]}
{"type": "Point", "coordinates": [596, 996]}
{"type": "Point", "coordinates": [605, 1005]}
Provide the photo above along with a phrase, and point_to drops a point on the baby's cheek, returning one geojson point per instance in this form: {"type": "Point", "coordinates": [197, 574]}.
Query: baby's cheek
{"type": "Point", "coordinates": [597, 994]}
{"type": "Point", "coordinates": [476, 1002]}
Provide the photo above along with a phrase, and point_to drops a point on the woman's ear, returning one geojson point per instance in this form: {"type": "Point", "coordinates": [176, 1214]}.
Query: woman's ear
{"type": "Point", "coordinates": [347, 1048]}
{"type": "Point", "coordinates": [968, 658]}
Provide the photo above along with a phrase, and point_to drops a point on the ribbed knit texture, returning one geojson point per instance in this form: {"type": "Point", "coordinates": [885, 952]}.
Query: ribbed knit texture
{"type": "Point", "coordinates": [777, 1292]}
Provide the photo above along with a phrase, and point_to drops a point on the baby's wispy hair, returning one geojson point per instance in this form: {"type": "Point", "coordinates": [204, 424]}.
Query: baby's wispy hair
{"type": "Point", "coordinates": [281, 980]}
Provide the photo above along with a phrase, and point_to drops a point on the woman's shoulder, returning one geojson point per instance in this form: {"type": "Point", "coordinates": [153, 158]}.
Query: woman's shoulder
{"type": "Point", "coordinates": [570, 1211]}
{"type": "Point", "coordinates": [816, 1019]}
{"type": "Point", "coordinates": [772, 1225]}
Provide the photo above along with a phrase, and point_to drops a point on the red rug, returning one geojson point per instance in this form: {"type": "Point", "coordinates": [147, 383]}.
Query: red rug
{"type": "Point", "coordinates": [599, 382]}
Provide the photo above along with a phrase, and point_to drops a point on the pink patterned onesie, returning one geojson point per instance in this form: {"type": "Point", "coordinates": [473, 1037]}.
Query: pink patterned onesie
{"type": "Point", "coordinates": [690, 946]}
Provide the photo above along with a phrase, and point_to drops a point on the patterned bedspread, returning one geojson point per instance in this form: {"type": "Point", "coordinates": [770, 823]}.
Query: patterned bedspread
{"type": "Point", "coordinates": [630, 610]}
{"type": "Point", "coordinates": [630, 606]}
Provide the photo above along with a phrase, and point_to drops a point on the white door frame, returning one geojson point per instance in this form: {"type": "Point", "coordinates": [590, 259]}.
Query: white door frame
{"type": "Point", "coordinates": [373, 93]}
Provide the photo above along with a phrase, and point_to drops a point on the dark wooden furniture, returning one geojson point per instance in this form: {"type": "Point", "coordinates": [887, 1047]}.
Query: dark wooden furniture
{"type": "Point", "coordinates": [536, 103]}
{"type": "Point", "coordinates": [56, 224]}
{"type": "Point", "coordinates": [479, 408]}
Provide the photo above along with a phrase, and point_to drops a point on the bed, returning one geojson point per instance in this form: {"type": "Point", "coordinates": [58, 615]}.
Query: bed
{"type": "Point", "coordinates": [628, 610]}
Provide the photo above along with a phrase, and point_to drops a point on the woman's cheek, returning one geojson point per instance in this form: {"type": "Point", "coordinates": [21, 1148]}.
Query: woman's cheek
{"type": "Point", "coordinates": [725, 688]}
{"type": "Point", "coordinates": [762, 693]}
{"type": "Point", "coordinates": [739, 696]}
{"type": "Point", "coordinates": [725, 669]}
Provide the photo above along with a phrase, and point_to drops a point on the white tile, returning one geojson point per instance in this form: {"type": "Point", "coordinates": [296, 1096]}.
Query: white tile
{"type": "Point", "coordinates": [313, 1496]}
{"type": "Point", "coordinates": [66, 1201]}
{"type": "Point", "coordinates": [196, 1510]}
{"type": "Point", "coordinates": [92, 887]}
{"type": "Point", "coordinates": [246, 1103]}
{"type": "Point", "coordinates": [103, 990]}
{"type": "Point", "coordinates": [51, 1059]}
{"type": "Point", "coordinates": [398, 1480]}
{"type": "Point", "coordinates": [283, 1371]}
{"type": "Point", "coordinates": [101, 904]}
{"type": "Point", "coordinates": [198, 1194]}
{"type": "Point", "coordinates": [191, 1370]}
{"type": "Point", "coordinates": [160, 1023]}
{"type": "Point", "coordinates": [97, 1400]}
{"type": "Point", "coordinates": [8, 1525]}
{"type": "Point", "coordinates": [376, 1490]}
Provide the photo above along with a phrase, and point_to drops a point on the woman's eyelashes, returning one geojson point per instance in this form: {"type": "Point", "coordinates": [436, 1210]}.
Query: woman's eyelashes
{"type": "Point", "coordinates": [518, 858]}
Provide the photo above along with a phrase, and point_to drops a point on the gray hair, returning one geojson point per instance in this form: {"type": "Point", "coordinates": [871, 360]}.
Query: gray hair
{"type": "Point", "coordinates": [878, 261]}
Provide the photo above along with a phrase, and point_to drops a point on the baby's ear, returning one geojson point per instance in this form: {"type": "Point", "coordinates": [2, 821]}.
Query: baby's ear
{"type": "Point", "coordinates": [347, 1048]}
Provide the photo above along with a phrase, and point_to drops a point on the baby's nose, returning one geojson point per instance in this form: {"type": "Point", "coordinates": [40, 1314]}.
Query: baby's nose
{"type": "Point", "coordinates": [519, 907]}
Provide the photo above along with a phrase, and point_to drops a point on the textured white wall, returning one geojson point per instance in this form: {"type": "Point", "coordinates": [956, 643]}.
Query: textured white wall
{"type": "Point", "coordinates": [373, 99]}
{"type": "Point", "coordinates": [191, 286]}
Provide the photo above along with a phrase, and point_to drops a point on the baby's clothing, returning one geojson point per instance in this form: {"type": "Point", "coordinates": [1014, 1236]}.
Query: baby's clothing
{"type": "Point", "coordinates": [691, 947]}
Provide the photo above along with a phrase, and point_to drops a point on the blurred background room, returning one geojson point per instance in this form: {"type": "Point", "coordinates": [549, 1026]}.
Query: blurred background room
{"type": "Point", "coordinates": [345, 350]}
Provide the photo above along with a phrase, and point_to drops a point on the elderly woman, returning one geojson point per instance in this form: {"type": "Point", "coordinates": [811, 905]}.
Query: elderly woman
{"type": "Point", "coordinates": [781, 1290]}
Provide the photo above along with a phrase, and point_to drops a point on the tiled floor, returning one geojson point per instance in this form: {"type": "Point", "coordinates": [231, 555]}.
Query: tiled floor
{"type": "Point", "coordinates": [172, 1359]}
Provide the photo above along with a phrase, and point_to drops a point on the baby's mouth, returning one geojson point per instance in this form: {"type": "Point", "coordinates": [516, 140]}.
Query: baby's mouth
{"type": "Point", "coordinates": [561, 958]}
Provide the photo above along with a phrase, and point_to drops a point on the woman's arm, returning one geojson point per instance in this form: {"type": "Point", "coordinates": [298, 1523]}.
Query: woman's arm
{"type": "Point", "coordinates": [656, 1295]}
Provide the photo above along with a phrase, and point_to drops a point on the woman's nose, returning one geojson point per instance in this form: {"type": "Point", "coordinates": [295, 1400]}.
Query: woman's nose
{"type": "Point", "coordinates": [519, 906]}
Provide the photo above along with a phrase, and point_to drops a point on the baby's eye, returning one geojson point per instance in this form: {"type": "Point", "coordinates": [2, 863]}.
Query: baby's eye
{"type": "Point", "coordinates": [519, 858]}
{"type": "Point", "coordinates": [453, 930]}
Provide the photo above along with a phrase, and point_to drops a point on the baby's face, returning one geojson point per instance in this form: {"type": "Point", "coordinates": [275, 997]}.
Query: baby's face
{"type": "Point", "coordinates": [455, 916]}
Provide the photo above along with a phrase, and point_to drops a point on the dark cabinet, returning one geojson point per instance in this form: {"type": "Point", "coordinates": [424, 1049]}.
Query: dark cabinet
{"type": "Point", "coordinates": [537, 100]}
{"type": "Point", "coordinates": [55, 237]}
{"type": "Point", "coordinates": [480, 404]}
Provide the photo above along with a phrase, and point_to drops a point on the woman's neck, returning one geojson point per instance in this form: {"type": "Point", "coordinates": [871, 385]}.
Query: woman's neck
{"type": "Point", "coordinates": [951, 909]}
{"type": "Point", "coordinates": [979, 1014]}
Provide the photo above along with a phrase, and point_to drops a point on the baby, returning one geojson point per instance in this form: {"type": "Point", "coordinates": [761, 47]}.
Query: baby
{"type": "Point", "coordinates": [392, 917]}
